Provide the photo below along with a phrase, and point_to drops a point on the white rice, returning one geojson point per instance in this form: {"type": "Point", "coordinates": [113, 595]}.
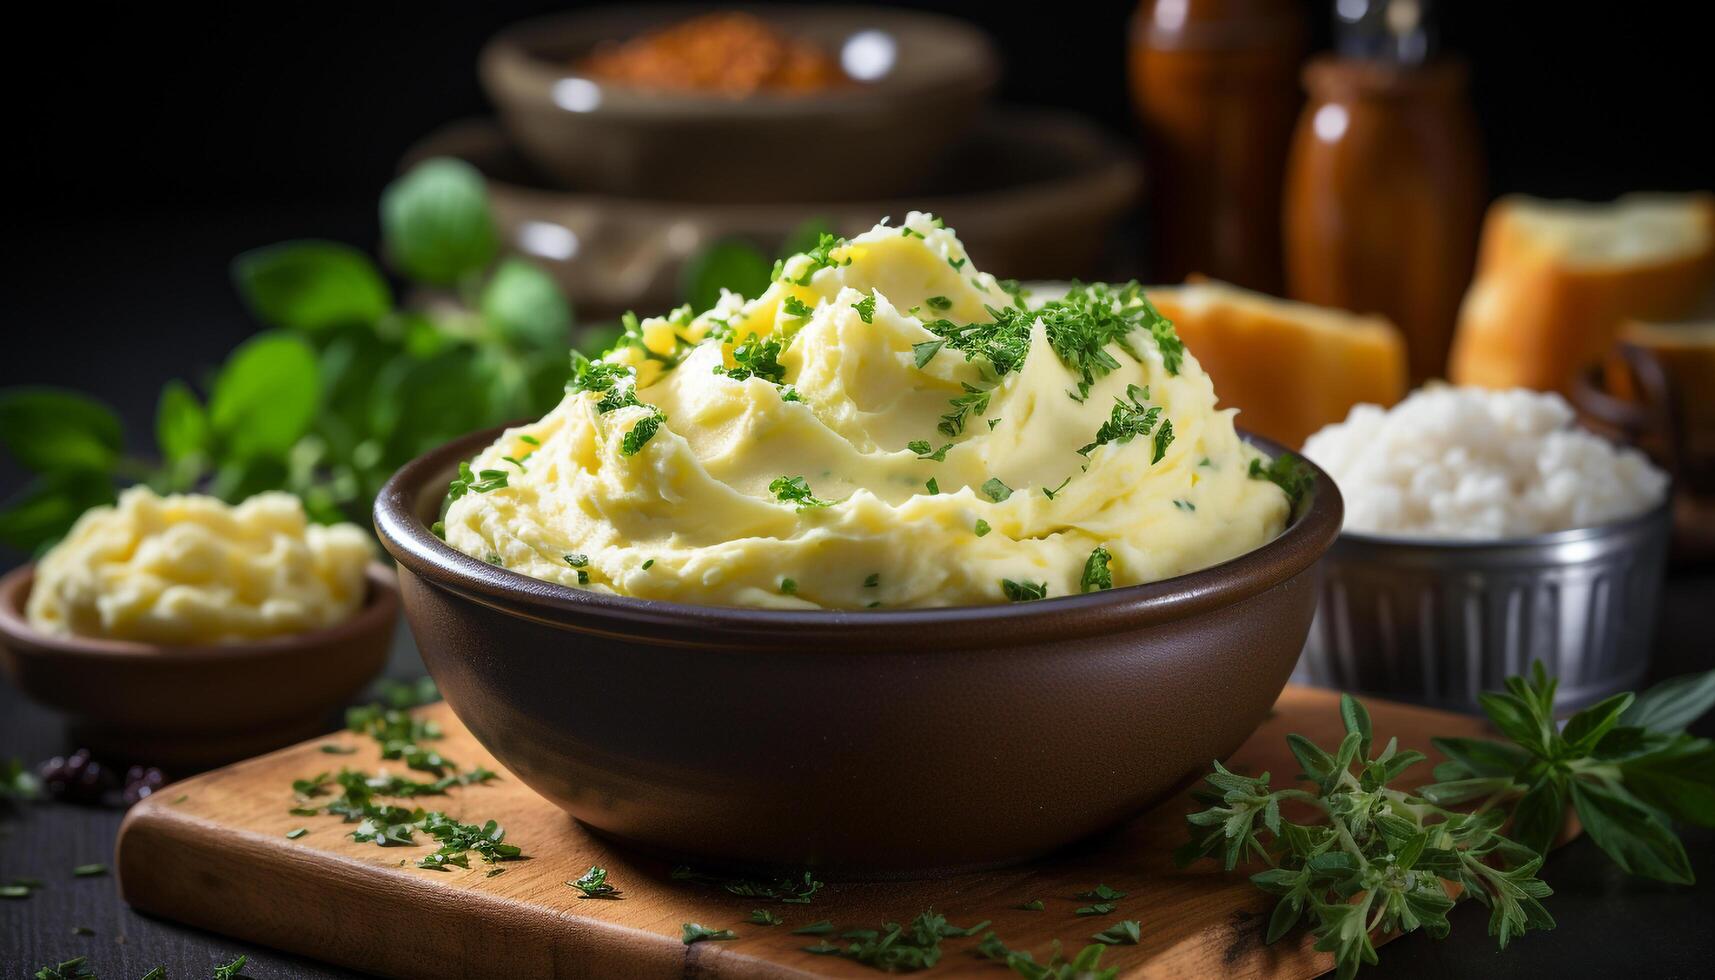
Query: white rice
{"type": "Point", "coordinates": [1451, 462]}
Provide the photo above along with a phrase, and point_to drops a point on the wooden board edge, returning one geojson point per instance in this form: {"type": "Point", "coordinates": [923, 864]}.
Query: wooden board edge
{"type": "Point", "coordinates": [212, 866]}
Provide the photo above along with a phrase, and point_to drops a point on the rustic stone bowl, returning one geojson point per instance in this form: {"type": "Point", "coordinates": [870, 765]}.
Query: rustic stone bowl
{"type": "Point", "coordinates": [861, 744]}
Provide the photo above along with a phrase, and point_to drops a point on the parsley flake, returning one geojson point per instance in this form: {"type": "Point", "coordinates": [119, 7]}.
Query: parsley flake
{"type": "Point", "coordinates": [940, 304]}
{"type": "Point", "coordinates": [996, 490]}
{"type": "Point", "coordinates": [921, 448]}
{"type": "Point", "coordinates": [796, 490]}
{"type": "Point", "coordinates": [982, 527]}
{"type": "Point", "coordinates": [1097, 576]}
{"type": "Point", "coordinates": [1023, 591]}
{"type": "Point", "coordinates": [866, 308]}
{"type": "Point", "coordinates": [1128, 421]}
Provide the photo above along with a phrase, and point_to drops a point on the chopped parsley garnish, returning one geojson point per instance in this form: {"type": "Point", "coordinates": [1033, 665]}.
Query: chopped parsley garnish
{"type": "Point", "coordinates": [788, 586]}
{"type": "Point", "coordinates": [957, 264]}
{"type": "Point", "coordinates": [439, 529]}
{"type": "Point", "coordinates": [996, 490]}
{"type": "Point", "coordinates": [1100, 908]}
{"type": "Point", "coordinates": [594, 884]}
{"type": "Point", "coordinates": [1023, 591]}
{"type": "Point", "coordinates": [1050, 493]}
{"type": "Point", "coordinates": [1127, 421]}
{"type": "Point", "coordinates": [648, 563]}
{"type": "Point", "coordinates": [1287, 472]}
{"type": "Point", "coordinates": [789, 394]}
{"type": "Point", "coordinates": [494, 559]}
{"type": "Point", "coordinates": [483, 481]}
{"type": "Point", "coordinates": [515, 461]}
{"type": "Point", "coordinates": [796, 307]}
{"type": "Point", "coordinates": [532, 440]}
{"type": "Point", "coordinates": [796, 490]}
{"type": "Point", "coordinates": [872, 581]}
{"type": "Point", "coordinates": [583, 577]}
{"type": "Point", "coordinates": [1126, 933]}
{"type": "Point", "coordinates": [939, 304]}
{"type": "Point", "coordinates": [296, 833]}
{"type": "Point", "coordinates": [931, 486]}
{"type": "Point", "coordinates": [1097, 576]}
{"type": "Point", "coordinates": [756, 358]}
{"type": "Point", "coordinates": [765, 917]}
{"type": "Point", "coordinates": [821, 257]}
{"type": "Point", "coordinates": [906, 231]}
{"type": "Point", "coordinates": [923, 451]}
{"type": "Point", "coordinates": [924, 352]}
{"type": "Point", "coordinates": [974, 401]}
{"type": "Point", "coordinates": [616, 384]}
{"type": "Point", "coordinates": [1184, 505]}
{"type": "Point", "coordinates": [866, 308]}
{"type": "Point", "coordinates": [982, 527]}
{"type": "Point", "coordinates": [696, 932]}
{"type": "Point", "coordinates": [1163, 439]}
{"type": "Point", "coordinates": [641, 432]}
{"type": "Point", "coordinates": [578, 560]}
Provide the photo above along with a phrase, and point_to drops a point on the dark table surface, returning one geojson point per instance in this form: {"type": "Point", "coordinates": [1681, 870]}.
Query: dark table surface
{"type": "Point", "coordinates": [131, 302]}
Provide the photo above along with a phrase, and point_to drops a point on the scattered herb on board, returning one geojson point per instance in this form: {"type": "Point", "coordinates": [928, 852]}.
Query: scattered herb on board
{"type": "Point", "coordinates": [1101, 893]}
{"type": "Point", "coordinates": [76, 968]}
{"type": "Point", "coordinates": [1126, 933]}
{"type": "Point", "coordinates": [696, 932]}
{"type": "Point", "coordinates": [897, 948]}
{"type": "Point", "coordinates": [1378, 860]}
{"type": "Point", "coordinates": [296, 833]}
{"type": "Point", "coordinates": [158, 973]}
{"type": "Point", "coordinates": [594, 884]}
{"type": "Point", "coordinates": [1034, 905]}
{"type": "Point", "coordinates": [1100, 908]}
{"type": "Point", "coordinates": [1086, 965]}
{"type": "Point", "coordinates": [15, 889]}
{"type": "Point", "coordinates": [17, 784]}
{"type": "Point", "coordinates": [793, 891]}
{"type": "Point", "coordinates": [764, 917]}
{"type": "Point", "coordinates": [89, 870]}
{"type": "Point", "coordinates": [231, 971]}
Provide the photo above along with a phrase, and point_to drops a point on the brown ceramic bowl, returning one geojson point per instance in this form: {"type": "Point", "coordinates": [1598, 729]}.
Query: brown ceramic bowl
{"type": "Point", "coordinates": [870, 138]}
{"type": "Point", "coordinates": [191, 707]}
{"type": "Point", "coordinates": [862, 744]}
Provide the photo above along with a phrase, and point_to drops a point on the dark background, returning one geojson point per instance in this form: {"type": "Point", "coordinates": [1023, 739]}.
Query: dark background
{"type": "Point", "coordinates": [157, 141]}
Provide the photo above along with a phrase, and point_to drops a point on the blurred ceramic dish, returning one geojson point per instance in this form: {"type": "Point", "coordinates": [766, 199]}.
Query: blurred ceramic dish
{"type": "Point", "coordinates": [196, 706]}
{"type": "Point", "coordinates": [921, 81]}
{"type": "Point", "coordinates": [1036, 194]}
{"type": "Point", "coordinates": [858, 743]}
{"type": "Point", "coordinates": [1437, 622]}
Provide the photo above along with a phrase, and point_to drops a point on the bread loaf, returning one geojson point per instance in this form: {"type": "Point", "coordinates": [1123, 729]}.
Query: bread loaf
{"type": "Point", "coordinates": [1289, 368]}
{"type": "Point", "coordinates": [1556, 279]}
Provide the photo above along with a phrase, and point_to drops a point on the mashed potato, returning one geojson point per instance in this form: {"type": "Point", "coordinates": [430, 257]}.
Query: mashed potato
{"type": "Point", "coordinates": [192, 570]}
{"type": "Point", "coordinates": [1452, 462]}
{"type": "Point", "coordinates": [883, 427]}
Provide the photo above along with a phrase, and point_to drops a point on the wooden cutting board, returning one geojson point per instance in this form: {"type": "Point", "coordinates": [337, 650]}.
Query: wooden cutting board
{"type": "Point", "coordinates": [212, 851]}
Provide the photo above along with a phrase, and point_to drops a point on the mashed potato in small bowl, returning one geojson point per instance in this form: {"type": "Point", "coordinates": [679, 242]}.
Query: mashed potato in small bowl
{"type": "Point", "coordinates": [182, 630]}
{"type": "Point", "coordinates": [1484, 530]}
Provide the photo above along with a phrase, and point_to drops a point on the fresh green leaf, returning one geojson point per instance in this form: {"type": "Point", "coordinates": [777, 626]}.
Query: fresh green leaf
{"type": "Point", "coordinates": [266, 396]}
{"type": "Point", "coordinates": [1678, 779]}
{"type": "Point", "coordinates": [765, 917]}
{"type": "Point", "coordinates": [181, 425]}
{"type": "Point", "coordinates": [594, 884]}
{"type": "Point", "coordinates": [525, 307]}
{"type": "Point", "coordinates": [1097, 575]}
{"type": "Point", "coordinates": [52, 429]}
{"type": "Point", "coordinates": [1586, 728]}
{"type": "Point", "coordinates": [1126, 933]}
{"type": "Point", "coordinates": [1672, 705]}
{"type": "Point", "coordinates": [436, 223]}
{"type": "Point", "coordinates": [1629, 833]}
{"type": "Point", "coordinates": [312, 286]}
{"type": "Point", "coordinates": [696, 932]}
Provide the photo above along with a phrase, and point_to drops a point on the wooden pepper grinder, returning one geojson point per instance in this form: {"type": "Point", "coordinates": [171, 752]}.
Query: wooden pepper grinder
{"type": "Point", "coordinates": [1384, 184]}
{"type": "Point", "coordinates": [1213, 82]}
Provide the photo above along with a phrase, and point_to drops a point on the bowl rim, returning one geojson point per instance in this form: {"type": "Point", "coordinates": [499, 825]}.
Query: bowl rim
{"type": "Point", "coordinates": [1309, 532]}
{"type": "Point", "coordinates": [1657, 513]}
{"type": "Point", "coordinates": [380, 604]}
{"type": "Point", "coordinates": [513, 50]}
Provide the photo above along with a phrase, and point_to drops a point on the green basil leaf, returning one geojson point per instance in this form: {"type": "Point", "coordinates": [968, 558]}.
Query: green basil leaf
{"type": "Point", "coordinates": [49, 505]}
{"type": "Point", "coordinates": [1540, 815]}
{"type": "Point", "coordinates": [50, 429]}
{"type": "Point", "coordinates": [731, 264]}
{"type": "Point", "coordinates": [181, 425]}
{"type": "Point", "coordinates": [312, 285]}
{"type": "Point", "coordinates": [1674, 704]}
{"type": "Point", "coordinates": [436, 222]}
{"type": "Point", "coordinates": [1586, 728]}
{"type": "Point", "coordinates": [1678, 779]}
{"type": "Point", "coordinates": [1630, 833]}
{"type": "Point", "coordinates": [266, 396]}
{"type": "Point", "coordinates": [1357, 719]}
{"type": "Point", "coordinates": [525, 307]}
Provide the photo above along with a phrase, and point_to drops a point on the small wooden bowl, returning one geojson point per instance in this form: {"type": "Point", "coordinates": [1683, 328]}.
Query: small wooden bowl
{"type": "Point", "coordinates": [189, 707]}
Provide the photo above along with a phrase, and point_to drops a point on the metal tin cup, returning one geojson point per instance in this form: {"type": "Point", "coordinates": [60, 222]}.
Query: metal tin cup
{"type": "Point", "coordinates": [1437, 621]}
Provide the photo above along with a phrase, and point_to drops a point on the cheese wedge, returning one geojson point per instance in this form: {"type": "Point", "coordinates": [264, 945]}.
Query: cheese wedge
{"type": "Point", "coordinates": [1289, 368]}
{"type": "Point", "coordinates": [1556, 279]}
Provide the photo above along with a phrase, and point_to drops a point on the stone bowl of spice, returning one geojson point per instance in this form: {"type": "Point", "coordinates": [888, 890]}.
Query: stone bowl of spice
{"type": "Point", "coordinates": [766, 104]}
{"type": "Point", "coordinates": [862, 743]}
